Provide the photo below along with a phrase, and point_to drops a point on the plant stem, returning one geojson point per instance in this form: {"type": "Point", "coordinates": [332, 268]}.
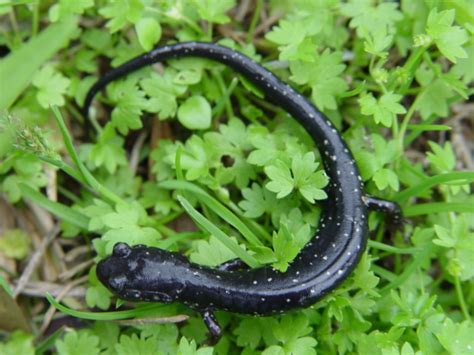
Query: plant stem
{"type": "Point", "coordinates": [86, 175]}
{"type": "Point", "coordinates": [226, 94]}
{"type": "Point", "coordinates": [14, 24]}
{"type": "Point", "coordinates": [409, 67]}
{"type": "Point", "coordinates": [404, 126]}
{"type": "Point", "coordinates": [209, 31]}
{"type": "Point", "coordinates": [392, 249]}
{"type": "Point", "coordinates": [462, 302]}
{"type": "Point", "coordinates": [254, 21]}
{"type": "Point", "coordinates": [35, 19]}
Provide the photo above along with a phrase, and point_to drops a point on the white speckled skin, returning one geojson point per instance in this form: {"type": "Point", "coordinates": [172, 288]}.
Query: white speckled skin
{"type": "Point", "coordinates": [321, 266]}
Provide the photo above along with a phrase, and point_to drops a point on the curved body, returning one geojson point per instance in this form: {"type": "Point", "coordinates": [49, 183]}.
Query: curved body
{"type": "Point", "coordinates": [151, 274]}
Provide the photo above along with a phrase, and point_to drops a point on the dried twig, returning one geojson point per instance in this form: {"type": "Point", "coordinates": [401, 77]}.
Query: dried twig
{"type": "Point", "coordinates": [267, 23]}
{"type": "Point", "coordinates": [76, 252]}
{"type": "Point", "coordinates": [41, 217]}
{"type": "Point", "coordinates": [51, 188]}
{"type": "Point", "coordinates": [242, 10]}
{"type": "Point", "coordinates": [35, 259]}
{"type": "Point", "coordinates": [66, 275]}
{"type": "Point", "coordinates": [135, 154]}
{"type": "Point", "coordinates": [40, 288]}
{"type": "Point", "coordinates": [160, 320]}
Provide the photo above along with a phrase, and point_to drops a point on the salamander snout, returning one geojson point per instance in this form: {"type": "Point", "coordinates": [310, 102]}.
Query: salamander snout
{"type": "Point", "coordinates": [113, 271]}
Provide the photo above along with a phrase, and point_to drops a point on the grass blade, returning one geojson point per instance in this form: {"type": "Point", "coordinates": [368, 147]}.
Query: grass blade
{"type": "Point", "coordinates": [391, 249]}
{"type": "Point", "coordinates": [18, 68]}
{"type": "Point", "coordinates": [428, 127]}
{"type": "Point", "coordinates": [459, 176]}
{"type": "Point", "coordinates": [141, 311]}
{"type": "Point", "coordinates": [417, 261]}
{"type": "Point", "coordinates": [214, 230]}
{"type": "Point", "coordinates": [58, 209]}
{"type": "Point", "coordinates": [438, 207]}
{"type": "Point", "coordinates": [88, 177]}
{"type": "Point", "coordinates": [217, 207]}
{"type": "Point", "coordinates": [6, 286]}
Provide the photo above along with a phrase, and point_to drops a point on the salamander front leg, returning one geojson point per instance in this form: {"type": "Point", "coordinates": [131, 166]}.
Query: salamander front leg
{"type": "Point", "coordinates": [211, 322]}
{"type": "Point", "coordinates": [390, 208]}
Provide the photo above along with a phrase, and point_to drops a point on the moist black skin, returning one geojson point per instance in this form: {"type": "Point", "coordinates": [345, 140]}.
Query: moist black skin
{"type": "Point", "coordinates": [143, 273]}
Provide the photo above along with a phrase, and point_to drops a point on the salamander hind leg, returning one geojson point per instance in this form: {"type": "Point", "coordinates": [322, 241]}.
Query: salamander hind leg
{"type": "Point", "coordinates": [211, 322]}
{"type": "Point", "coordinates": [232, 265]}
{"type": "Point", "coordinates": [391, 209]}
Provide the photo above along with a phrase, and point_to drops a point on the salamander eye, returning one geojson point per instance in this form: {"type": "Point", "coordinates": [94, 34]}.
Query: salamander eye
{"type": "Point", "coordinates": [122, 250]}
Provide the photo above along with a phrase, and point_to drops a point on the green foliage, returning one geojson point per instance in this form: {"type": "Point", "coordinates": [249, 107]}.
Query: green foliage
{"type": "Point", "coordinates": [126, 224]}
{"type": "Point", "coordinates": [195, 113]}
{"type": "Point", "coordinates": [301, 175]}
{"type": "Point", "coordinates": [214, 10]}
{"type": "Point", "coordinates": [18, 343]}
{"type": "Point", "coordinates": [51, 87]}
{"type": "Point", "coordinates": [322, 74]}
{"type": "Point", "coordinates": [14, 244]}
{"type": "Point", "coordinates": [224, 173]}
{"type": "Point", "coordinates": [129, 102]}
{"type": "Point", "coordinates": [149, 32]}
{"type": "Point", "coordinates": [384, 109]}
{"type": "Point", "coordinates": [22, 168]}
{"type": "Point", "coordinates": [75, 343]}
{"type": "Point", "coordinates": [448, 38]}
{"type": "Point", "coordinates": [108, 151]}
{"type": "Point", "coordinates": [120, 12]}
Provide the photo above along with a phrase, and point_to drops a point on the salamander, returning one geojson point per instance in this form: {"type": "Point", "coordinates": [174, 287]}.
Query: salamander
{"type": "Point", "coordinates": [142, 273]}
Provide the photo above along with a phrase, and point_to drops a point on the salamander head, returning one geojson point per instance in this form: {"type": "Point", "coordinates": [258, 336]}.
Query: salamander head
{"type": "Point", "coordinates": [141, 273]}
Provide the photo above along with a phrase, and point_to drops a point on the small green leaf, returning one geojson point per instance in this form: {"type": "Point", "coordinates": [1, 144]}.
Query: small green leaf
{"type": "Point", "coordinates": [257, 201]}
{"type": "Point", "coordinates": [442, 159]}
{"type": "Point", "coordinates": [195, 113]}
{"type": "Point", "coordinates": [384, 178]}
{"type": "Point", "coordinates": [134, 345]}
{"type": "Point", "coordinates": [129, 103]}
{"type": "Point", "coordinates": [214, 10]}
{"type": "Point", "coordinates": [51, 85]}
{"type": "Point", "coordinates": [384, 110]}
{"type": "Point", "coordinates": [108, 151]}
{"type": "Point", "coordinates": [323, 76]}
{"type": "Point", "coordinates": [433, 100]}
{"type": "Point", "coordinates": [456, 338]}
{"type": "Point", "coordinates": [18, 343]}
{"type": "Point", "coordinates": [281, 179]}
{"type": "Point", "coordinates": [119, 12]}
{"type": "Point", "coordinates": [448, 38]}
{"type": "Point", "coordinates": [14, 244]}
{"type": "Point", "coordinates": [163, 91]}
{"type": "Point", "coordinates": [149, 32]}
{"type": "Point", "coordinates": [190, 348]}
{"type": "Point", "coordinates": [97, 295]}
{"type": "Point", "coordinates": [301, 176]}
{"type": "Point", "coordinates": [68, 7]}
{"type": "Point", "coordinates": [77, 343]}
{"type": "Point", "coordinates": [211, 252]}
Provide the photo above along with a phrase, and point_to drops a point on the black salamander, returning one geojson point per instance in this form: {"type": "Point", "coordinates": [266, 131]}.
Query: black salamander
{"type": "Point", "coordinates": [143, 273]}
